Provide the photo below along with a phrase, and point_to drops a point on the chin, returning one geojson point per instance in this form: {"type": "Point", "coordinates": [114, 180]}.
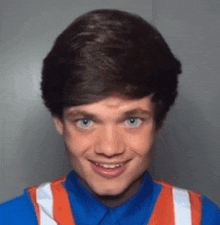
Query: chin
{"type": "Point", "coordinates": [109, 188]}
{"type": "Point", "coordinates": [109, 192]}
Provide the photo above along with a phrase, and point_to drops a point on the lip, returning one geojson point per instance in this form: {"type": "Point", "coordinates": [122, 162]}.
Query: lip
{"type": "Point", "coordinates": [109, 172]}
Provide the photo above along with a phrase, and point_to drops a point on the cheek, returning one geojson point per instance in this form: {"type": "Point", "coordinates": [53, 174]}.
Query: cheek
{"type": "Point", "coordinates": [141, 143]}
{"type": "Point", "coordinates": [77, 143]}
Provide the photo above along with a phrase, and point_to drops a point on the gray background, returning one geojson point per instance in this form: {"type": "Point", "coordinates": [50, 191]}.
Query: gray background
{"type": "Point", "coordinates": [187, 153]}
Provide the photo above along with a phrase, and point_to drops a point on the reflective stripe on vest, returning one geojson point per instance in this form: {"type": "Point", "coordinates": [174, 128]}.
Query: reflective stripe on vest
{"type": "Point", "coordinates": [174, 206]}
{"type": "Point", "coordinates": [45, 201]}
{"type": "Point", "coordinates": [182, 211]}
{"type": "Point", "coordinates": [52, 204]}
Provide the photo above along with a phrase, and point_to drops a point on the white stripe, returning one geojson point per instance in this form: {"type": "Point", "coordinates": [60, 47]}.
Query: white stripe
{"type": "Point", "coordinates": [45, 201]}
{"type": "Point", "coordinates": [182, 210]}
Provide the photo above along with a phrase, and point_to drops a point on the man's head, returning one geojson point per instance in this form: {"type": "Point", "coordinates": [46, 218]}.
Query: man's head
{"type": "Point", "coordinates": [109, 82]}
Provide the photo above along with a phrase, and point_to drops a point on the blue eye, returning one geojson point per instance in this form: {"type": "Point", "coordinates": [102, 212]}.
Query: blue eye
{"type": "Point", "coordinates": [84, 123]}
{"type": "Point", "coordinates": [133, 122]}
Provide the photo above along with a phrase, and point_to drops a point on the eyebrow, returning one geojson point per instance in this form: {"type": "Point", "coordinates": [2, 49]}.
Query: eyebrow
{"type": "Point", "coordinates": [126, 114]}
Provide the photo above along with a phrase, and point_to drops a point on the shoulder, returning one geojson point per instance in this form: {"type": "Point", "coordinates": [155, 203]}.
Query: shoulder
{"type": "Point", "coordinates": [209, 211]}
{"type": "Point", "coordinates": [21, 209]}
{"type": "Point", "coordinates": [18, 210]}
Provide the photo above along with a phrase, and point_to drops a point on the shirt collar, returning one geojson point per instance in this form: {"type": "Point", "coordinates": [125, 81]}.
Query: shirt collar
{"type": "Point", "coordinates": [87, 207]}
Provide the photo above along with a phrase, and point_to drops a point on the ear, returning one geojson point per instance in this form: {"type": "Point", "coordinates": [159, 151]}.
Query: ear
{"type": "Point", "coordinates": [58, 125]}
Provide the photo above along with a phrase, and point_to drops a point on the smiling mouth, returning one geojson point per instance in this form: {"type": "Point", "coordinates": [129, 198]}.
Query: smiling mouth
{"type": "Point", "coordinates": [109, 170]}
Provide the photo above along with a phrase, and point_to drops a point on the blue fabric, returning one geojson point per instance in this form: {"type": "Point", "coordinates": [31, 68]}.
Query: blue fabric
{"type": "Point", "coordinates": [210, 212]}
{"type": "Point", "coordinates": [88, 209]}
{"type": "Point", "coordinates": [19, 211]}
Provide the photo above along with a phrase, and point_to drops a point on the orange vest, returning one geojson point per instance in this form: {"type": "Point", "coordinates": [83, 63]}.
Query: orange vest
{"type": "Point", "coordinates": [174, 206]}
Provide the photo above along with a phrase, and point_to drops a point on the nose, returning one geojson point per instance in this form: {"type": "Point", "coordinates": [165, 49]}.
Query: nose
{"type": "Point", "coordinates": [110, 142]}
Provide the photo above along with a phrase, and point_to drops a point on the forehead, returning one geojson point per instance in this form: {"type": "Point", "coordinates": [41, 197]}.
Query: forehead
{"type": "Point", "coordinates": [114, 105]}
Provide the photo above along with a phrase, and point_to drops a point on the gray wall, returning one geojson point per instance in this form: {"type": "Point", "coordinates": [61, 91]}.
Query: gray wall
{"type": "Point", "coordinates": [187, 152]}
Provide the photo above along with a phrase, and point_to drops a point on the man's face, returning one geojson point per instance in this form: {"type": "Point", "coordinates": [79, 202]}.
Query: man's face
{"type": "Point", "coordinates": [109, 142]}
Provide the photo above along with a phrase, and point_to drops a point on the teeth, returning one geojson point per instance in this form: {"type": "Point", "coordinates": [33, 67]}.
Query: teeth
{"type": "Point", "coordinates": [109, 166]}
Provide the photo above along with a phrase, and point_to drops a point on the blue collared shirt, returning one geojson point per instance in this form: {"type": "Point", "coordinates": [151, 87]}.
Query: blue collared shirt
{"type": "Point", "coordinates": [88, 210]}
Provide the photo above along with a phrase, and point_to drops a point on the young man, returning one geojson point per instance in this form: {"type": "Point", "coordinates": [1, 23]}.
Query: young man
{"type": "Point", "coordinates": [109, 81]}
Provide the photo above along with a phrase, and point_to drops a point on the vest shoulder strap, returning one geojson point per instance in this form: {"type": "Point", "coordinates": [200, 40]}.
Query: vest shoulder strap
{"type": "Point", "coordinates": [51, 203]}
{"type": "Point", "coordinates": [176, 206]}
